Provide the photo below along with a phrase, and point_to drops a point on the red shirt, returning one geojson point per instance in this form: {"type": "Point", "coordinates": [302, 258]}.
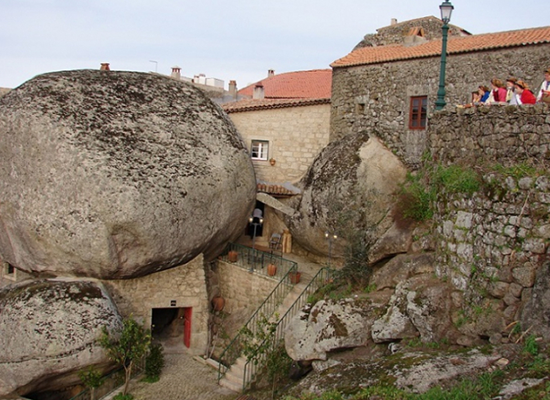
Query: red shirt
{"type": "Point", "coordinates": [527, 97]}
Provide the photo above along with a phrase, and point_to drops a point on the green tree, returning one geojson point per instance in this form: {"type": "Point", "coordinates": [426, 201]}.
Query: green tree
{"type": "Point", "coordinates": [126, 346]}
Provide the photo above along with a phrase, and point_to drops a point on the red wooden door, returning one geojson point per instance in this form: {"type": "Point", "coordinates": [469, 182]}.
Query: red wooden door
{"type": "Point", "coordinates": [187, 313]}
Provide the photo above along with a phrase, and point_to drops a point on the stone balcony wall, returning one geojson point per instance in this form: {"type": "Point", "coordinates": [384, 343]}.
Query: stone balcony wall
{"type": "Point", "coordinates": [491, 134]}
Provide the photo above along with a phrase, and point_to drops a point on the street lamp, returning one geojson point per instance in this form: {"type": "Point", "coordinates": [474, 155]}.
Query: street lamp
{"type": "Point", "coordinates": [446, 10]}
{"type": "Point", "coordinates": [330, 238]}
{"type": "Point", "coordinates": [255, 221]}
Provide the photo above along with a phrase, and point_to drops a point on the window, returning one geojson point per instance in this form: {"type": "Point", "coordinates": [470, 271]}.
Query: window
{"type": "Point", "coordinates": [259, 150]}
{"type": "Point", "coordinates": [417, 112]}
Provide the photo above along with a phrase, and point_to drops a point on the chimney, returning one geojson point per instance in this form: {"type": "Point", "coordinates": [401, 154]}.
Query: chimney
{"type": "Point", "coordinates": [258, 92]}
{"type": "Point", "coordinates": [270, 73]}
{"type": "Point", "coordinates": [104, 67]}
{"type": "Point", "coordinates": [176, 72]}
{"type": "Point", "coordinates": [233, 89]}
{"type": "Point", "coordinates": [393, 21]}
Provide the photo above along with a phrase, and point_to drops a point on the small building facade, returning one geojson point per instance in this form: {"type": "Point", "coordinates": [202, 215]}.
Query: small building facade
{"type": "Point", "coordinates": [388, 87]}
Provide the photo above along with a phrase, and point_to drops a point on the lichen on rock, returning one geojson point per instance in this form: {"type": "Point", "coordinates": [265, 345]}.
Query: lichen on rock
{"type": "Point", "coordinates": [113, 174]}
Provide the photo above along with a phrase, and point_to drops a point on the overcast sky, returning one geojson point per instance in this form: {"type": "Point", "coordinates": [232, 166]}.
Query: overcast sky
{"type": "Point", "coordinates": [224, 39]}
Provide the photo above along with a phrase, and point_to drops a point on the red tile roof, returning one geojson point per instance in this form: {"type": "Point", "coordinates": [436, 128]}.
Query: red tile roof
{"type": "Point", "coordinates": [270, 104]}
{"type": "Point", "coordinates": [313, 84]}
{"type": "Point", "coordinates": [455, 45]}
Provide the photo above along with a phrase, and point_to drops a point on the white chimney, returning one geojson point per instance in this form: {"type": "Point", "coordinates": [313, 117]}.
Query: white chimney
{"type": "Point", "coordinates": [176, 72]}
{"type": "Point", "coordinates": [258, 93]}
{"type": "Point", "coordinates": [393, 21]}
{"type": "Point", "coordinates": [270, 73]}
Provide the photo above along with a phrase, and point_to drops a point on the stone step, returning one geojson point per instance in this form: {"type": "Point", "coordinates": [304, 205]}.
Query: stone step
{"type": "Point", "coordinates": [236, 387]}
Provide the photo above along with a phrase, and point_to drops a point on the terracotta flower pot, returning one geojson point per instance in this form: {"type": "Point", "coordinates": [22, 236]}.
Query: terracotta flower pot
{"type": "Point", "coordinates": [232, 256]}
{"type": "Point", "coordinates": [271, 269]}
{"type": "Point", "coordinates": [218, 303]}
{"type": "Point", "coordinates": [295, 277]}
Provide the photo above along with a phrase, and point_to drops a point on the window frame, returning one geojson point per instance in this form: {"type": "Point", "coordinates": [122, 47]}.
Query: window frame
{"type": "Point", "coordinates": [421, 118]}
{"type": "Point", "coordinates": [263, 154]}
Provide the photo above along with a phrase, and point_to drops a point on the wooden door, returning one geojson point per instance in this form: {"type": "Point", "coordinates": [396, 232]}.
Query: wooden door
{"type": "Point", "coordinates": [187, 313]}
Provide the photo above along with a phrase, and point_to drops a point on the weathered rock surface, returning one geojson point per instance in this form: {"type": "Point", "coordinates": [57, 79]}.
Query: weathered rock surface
{"type": "Point", "coordinates": [412, 371]}
{"type": "Point", "coordinates": [350, 187]}
{"type": "Point", "coordinates": [327, 326]}
{"type": "Point", "coordinates": [536, 314]}
{"type": "Point", "coordinates": [48, 330]}
{"type": "Point", "coordinates": [117, 174]}
{"type": "Point", "coordinates": [421, 306]}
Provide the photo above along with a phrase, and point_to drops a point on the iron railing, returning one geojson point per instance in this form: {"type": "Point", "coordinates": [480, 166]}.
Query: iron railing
{"type": "Point", "coordinates": [257, 261]}
{"type": "Point", "coordinates": [268, 307]}
{"type": "Point", "coordinates": [257, 362]}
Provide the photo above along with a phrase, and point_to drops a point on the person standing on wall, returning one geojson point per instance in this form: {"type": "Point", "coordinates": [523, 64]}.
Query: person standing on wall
{"type": "Point", "coordinates": [544, 92]}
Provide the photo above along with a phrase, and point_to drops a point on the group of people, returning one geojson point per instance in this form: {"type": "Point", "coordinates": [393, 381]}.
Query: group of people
{"type": "Point", "coordinates": [514, 91]}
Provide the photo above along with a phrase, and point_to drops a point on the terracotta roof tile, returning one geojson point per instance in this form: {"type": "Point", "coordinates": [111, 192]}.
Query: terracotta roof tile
{"type": "Point", "coordinates": [455, 45]}
{"type": "Point", "coordinates": [313, 84]}
{"type": "Point", "coordinates": [269, 104]}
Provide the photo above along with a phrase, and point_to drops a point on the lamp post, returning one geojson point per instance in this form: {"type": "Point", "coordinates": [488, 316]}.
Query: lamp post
{"type": "Point", "coordinates": [330, 238]}
{"type": "Point", "coordinates": [255, 221]}
{"type": "Point", "coordinates": [446, 9]}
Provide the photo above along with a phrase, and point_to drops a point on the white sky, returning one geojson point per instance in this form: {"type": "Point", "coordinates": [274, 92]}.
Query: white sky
{"type": "Point", "coordinates": [224, 39]}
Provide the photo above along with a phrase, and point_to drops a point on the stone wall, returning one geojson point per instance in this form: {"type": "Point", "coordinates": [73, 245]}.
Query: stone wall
{"type": "Point", "coordinates": [480, 135]}
{"type": "Point", "coordinates": [296, 135]}
{"type": "Point", "coordinates": [242, 289]}
{"type": "Point", "coordinates": [493, 246]}
{"type": "Point", "coordinates": [376, 97]}
{"type": "Point", "coordinates": [182, 286]}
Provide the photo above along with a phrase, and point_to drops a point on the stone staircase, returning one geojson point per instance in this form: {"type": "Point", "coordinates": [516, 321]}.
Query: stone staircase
{"type": "Point", "coordinates": [234, 377]}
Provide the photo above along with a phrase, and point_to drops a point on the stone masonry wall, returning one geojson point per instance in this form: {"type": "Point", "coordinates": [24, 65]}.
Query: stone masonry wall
{"type": "Point", "coordinates": [296, 135]}
{"type": "Point", "coordinates": [481, 135]}
{"type": "Point", "coordinates": [185, 284]}
{"type": "Point", "coordinates": [242, 289]}
{"type": "Point", "coordinates": [376, 97]}
{"type": "Point", "coordinates": [494, 244]}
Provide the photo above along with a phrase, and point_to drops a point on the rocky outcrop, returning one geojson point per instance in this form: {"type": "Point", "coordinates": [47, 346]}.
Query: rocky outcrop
{"type": "Point", "coordinates": [329, 326]}
{"type": "Point", "coordinates": [348, 189]}
{"type": "Point", "coordinates": [536, 314]}
{"type": "Point", "coordinates": [409, 370]}
{"type": "Point", "coordinates": [49, 329]}
{"type": "Point", "coordinates": [117, 174]}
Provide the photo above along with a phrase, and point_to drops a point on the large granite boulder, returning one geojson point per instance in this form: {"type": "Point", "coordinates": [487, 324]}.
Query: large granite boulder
{"type": "Point", "coordinates": [329, 326]}
{"type": "Point", "coordinates": [117, 174]}
{"type": "Point", "coordinates": [350, 189]}
{"type": "Point", "coordinates": [421, 306]}
{"type": "Point", "coordinates": [48, 333]}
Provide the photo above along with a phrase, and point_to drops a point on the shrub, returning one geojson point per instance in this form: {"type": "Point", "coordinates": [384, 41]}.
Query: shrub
{"type": "Point", "coordinates": [154, 362]}
{"type": "Point", "coordinates": [91, 377]}
{"type": "Point", "coordinates": [122, 396]}
{"type": "Point", "coordinates": [416, 198]}
{"type": "Point", "coordinates": [455, 179]}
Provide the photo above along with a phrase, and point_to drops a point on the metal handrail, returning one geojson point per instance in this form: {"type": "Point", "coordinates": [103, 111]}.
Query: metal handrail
{"type": "Point", "coordinates": [266, 309]}
{"type": "Point", "coordinates": [257, 362]}
{"type": "Point", "coordinates": [257, 260]}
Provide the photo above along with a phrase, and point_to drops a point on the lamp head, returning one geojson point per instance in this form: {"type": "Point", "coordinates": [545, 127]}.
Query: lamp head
{"type": "Point", "coordinates": [446, 9]}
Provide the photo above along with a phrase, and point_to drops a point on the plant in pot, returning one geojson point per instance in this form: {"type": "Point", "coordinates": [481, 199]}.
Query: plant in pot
{"type": "Point", "coordinates": [295, 277]}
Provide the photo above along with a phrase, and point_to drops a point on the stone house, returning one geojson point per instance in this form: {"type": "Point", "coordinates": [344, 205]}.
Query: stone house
{"type": "Point", "coordinates": [284, 120]}
{"type": "Point", "coordinates": [388, 84]}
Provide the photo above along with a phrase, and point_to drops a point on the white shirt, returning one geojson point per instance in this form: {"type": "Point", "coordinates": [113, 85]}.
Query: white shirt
{"type": "Point", "coordinates": [545, 86]}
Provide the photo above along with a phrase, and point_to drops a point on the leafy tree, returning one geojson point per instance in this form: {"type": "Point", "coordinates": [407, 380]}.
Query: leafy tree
{"type": "Point", "coordinates": [127, 346]}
